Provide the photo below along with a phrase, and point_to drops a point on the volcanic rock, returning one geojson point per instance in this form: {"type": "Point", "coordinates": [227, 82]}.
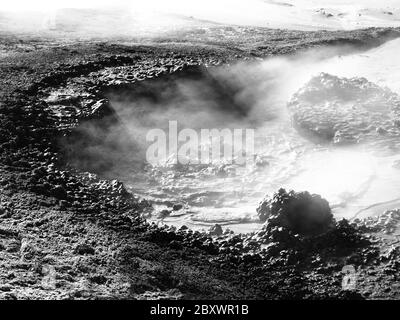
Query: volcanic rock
{"type": "Point", "coordinates": [342, 111]}
{"type": "Point", "coordinates": [300, 212]}
{"type": "Point", "coordinates": [177, 207]}
{"type": "Point", "coordinates": [216, 230]}
{"type": "Point", "coordinates": [84, 249]}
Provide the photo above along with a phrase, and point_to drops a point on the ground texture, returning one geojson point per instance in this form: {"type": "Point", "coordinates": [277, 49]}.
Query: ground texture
{"type": "Point", "coordinates": [66, 233]}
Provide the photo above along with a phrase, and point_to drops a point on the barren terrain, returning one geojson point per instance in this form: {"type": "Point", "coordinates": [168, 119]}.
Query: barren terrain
{"type": "Point", "coordinates": [69, 231]}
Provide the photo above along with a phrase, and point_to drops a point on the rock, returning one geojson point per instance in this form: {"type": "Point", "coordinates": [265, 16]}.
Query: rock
{"type": "Point", "coordinates": [177, 207]}
{"type": "Point", "coordinates": [216, 230]}
{"type": "Point", "coordinates": [98, 279]}
{"type": "Point", "coordinates": [5, 288]}
{"type": "Point", "coordinates": [4, 212]}
{"type": "Point", "coordinates": [300, 212]}
{"type": "Point", "coordinates": [342, 238]}
{"type": "Point", "coordinates": [84, 249]}
{"type": "Point", "coordinates": [273, 248]}
{"type": "Point", "coordinates": [172, 294]}
{"type": "Point", "coordinates": [64, 204]}
{"type": "Point", "coordinates": [101, 109]}
{"type": "Point", "coordinates": [49, 259]}
{"type": "Point", "coordinates": [28, 250]}
{"type": "Point", "coordinates": [13, 246]}
{"type": "Point", "coordinates": [163, 214]}
{"type": "Point", "coordinates": [387, 222]}
{"type": "Point", "coordinates": [343, 111]}
{"type": "Point", "coordinates": [175, 245]}
{"type": "Point", "coordinates": [59, 192]}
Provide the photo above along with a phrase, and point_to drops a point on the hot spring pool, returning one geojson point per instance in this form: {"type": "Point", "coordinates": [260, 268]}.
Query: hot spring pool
{"type": "Point", "coordinates": [354, 100]}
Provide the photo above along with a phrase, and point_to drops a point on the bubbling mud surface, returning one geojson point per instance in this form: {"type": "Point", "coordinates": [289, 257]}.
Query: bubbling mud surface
{"type": "Point", "coordinates": [329, 127]}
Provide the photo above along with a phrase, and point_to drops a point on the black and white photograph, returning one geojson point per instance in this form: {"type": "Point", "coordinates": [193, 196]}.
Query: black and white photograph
{"type": "Point", "coordinates": [195, 157]}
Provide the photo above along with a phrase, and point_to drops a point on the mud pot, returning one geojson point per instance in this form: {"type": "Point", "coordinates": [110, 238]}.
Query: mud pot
{"type": "Point", "coordinates": [328, 125]}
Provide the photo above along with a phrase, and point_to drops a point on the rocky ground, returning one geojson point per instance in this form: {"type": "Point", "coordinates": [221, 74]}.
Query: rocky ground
{"type": "Point", "coordinates": [66, 232]}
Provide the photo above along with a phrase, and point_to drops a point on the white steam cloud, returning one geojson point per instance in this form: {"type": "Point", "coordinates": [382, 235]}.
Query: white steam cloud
{"type": "Point", "coordinates": [135, 16]}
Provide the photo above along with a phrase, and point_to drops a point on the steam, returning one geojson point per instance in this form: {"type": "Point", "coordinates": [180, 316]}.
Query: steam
{"type": "Point", "coordinates": [245, 95]}
{"type": "Point", "coordinates": [136, 18]}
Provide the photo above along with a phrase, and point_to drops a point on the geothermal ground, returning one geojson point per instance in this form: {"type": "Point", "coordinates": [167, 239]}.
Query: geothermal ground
{"type": "Point", "coordinates": [69, 230]}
